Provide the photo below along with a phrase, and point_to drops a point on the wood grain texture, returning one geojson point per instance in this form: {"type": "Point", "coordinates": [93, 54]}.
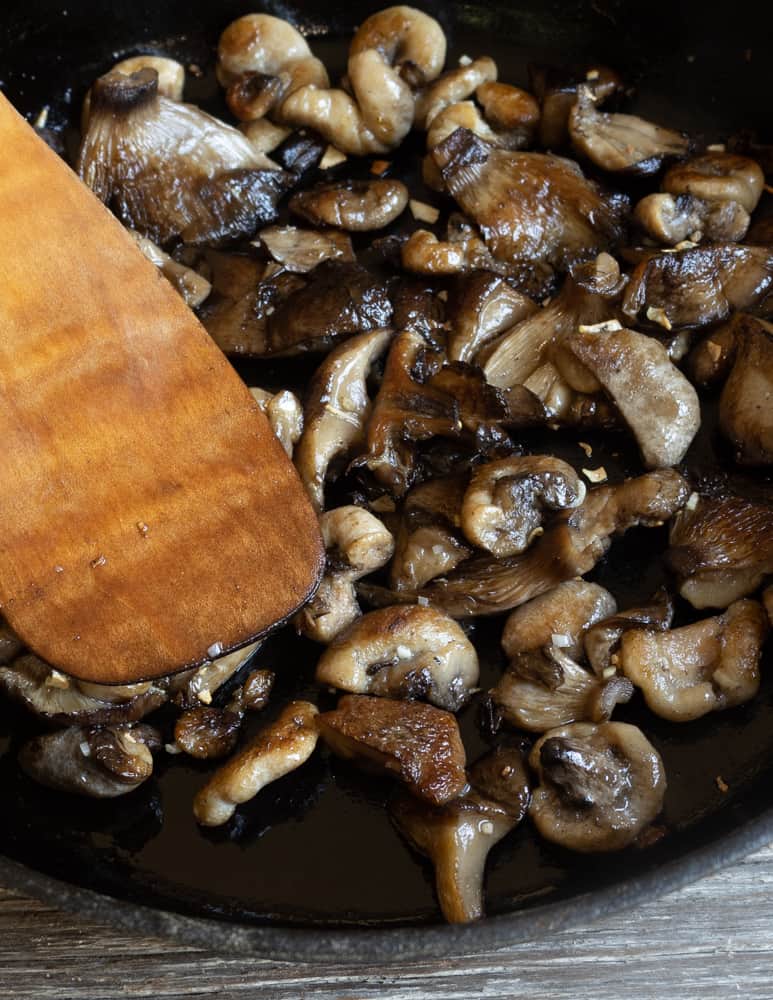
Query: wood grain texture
{"type": "Point", "coordinates": [710, 941]}
{"type": "Point", "coordinates": [147, 512]}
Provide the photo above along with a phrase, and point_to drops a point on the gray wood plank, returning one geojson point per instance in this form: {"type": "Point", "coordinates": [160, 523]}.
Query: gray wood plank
{"type": "Point", "coordinates": [710, 941]}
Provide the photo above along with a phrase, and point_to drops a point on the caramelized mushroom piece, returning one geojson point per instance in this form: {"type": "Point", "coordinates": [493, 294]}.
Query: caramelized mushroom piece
{"type": "Point", "coordinates": [657, 402]}
{"type": "Point", "coordinates": [453, 86]}
{"type": "Point", "coordinates": [457, 837]}
{"type": "Point", "coordinates": [512, 112]}
{"type": "Point", "coordinates": [264, 136]}
{"type": "Point", "coordinates": [65, 701]}
{"type": "Point", "coordinates": [545, 688]}
{"type": "Point", "coordinates": [256, 690]}
{"type": "Point", "coordinates": [621, 142]}
{"type": "Point", "coordinates": [337, 409]}
{"type": "Point", "coordinates": [704, 667]}
{"type": "Point", "coordinates": [207, 732]}
{"type": "Point", "coordinates": [169, 170]}
{"type": "Point", "coordinates": [284, 413]}
{"type": "Point", "coordinates": [602, 639]}
{"type": "Point", "coordinates": [531, 208]}
{"type": "Point", "coordinates": [699, 285]}
{"type": "Point", "coordinates": [301, 250]}
{"type": "Point", "coordinates": [502, 510]}
{"type": "Point", "coordinates": [413, 742]}
{"type": "Point", "coordinates": [746, 403]}
{"type": "Point", "coordinates": [196, 687]}
{"type": "Point", "coordinates": [483, 305]}
{"type": "Point", "coordinates": [171, 79]}
{"type": "Point", "coordinates": [407, 651]}
{"type": "Point", "coordinates": [359, 206]}
{"type": "Point", "coordinates": [718, 177]}
{"type": "Point", "coordinates": [193, 287]}
{"type": "Point", "coordinates": [424, 253]}
{"type": "Point", "coordinates": [279, 748]}
{"type": "Point", "coordinates": [600, 785]}
{"type": "Point", "coordinates": [357, 543]}
{"type": "Point", "coordinates": [556, 89]}
{"type": "Point", "coordinates": [560, 617]}
{"type": "Point", "coordinates": [721, 549]}
{"type": "Point", "coordinates": [101, 763]}
{"type": "Point", "coordinates": [672, 219]}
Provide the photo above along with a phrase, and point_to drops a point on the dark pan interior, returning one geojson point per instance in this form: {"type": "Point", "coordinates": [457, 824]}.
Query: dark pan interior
{"type": "Point", "coordinates": [317, 847]}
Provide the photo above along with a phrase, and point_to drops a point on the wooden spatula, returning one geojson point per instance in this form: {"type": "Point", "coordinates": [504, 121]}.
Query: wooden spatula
{"type": "Point", "coordinates": [149, 519]}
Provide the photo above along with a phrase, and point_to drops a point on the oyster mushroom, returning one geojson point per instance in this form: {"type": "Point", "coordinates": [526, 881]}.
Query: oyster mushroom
{"type": "Point", "coordinates": [358, 206]}
{"type": "Point", "coordinates": [656, 401]}
{"type": "Point", "coordinates": [718, 177]}
{"type": "Point", "coordinates": [192, 286]}
{"type": "Point", "coordinates": [618, 142]}
{"type": "Point", "coordinates": [207, 732]}
{"type": "Point", "coordinates": [746, 403]}
{"type": "Point", "coordinates": [416, 743]}
{"type": "Point", "coordinates": [264, 136]}
{"type": "Point", "coordinates": [671, 219]}
{"type": "Point", "coordinates": [560, 617]}
{"type": "Point", "coordinates": [279, 748]}
{"type": "Point", "coordinates": [65, 701]}
{"type": "Point", "coordinates": [602, 639]}
{"type": "Point", "coordinates": [720, 549]}
{"type": "Point", "coordinates": [196, 687]}
{"type": "Point", "coordinates": [457, 837]}
{"type": "Point", "coordinates": [337, 409]}
{"type": "Point", "coordinates": [699, 285]}
{"type": "Point", "coordinates": [424, 253]}
{"type": "Point", "coordinates": [101, 763]}
{"type": "Point", "coordinates": [600, 785]}
{"type": "Point", "coordinates": [284, 413]}
{"type": "Point", "coordinates": [406, 651]}
{"type": "Point", "coordinates": [506, 120]}
{"type": "Point", "coordinates": [542, 689]}
{"type": "Point", "coordinates": [704, 667]}
{"type": "Point", "coordinates": [556, 90]}
{"type": "Point", "coordinates": [169, 170]}
{"type": "Point", "coordinates": [171, 79]}
{"type": "Point", "coordinates": [357, 543]}
{"type": "Point", "coordinates": [532, 208]}
{"type": "Point", "coordinates": [502, 510]}
{"type": "Point", "coordinates": [451, 87]}
{"type": "Point", "coordinates": [300, 250]}
{"type": "Point", "coordinates": [483, 305]}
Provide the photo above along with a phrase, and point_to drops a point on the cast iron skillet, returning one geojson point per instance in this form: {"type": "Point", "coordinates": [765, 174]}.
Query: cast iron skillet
{"type": "Point", "coordinates": [312, 869]}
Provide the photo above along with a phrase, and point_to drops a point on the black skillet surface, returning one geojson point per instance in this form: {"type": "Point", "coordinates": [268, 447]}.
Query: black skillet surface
{"type": "Point", "coordinates": [312, 868]}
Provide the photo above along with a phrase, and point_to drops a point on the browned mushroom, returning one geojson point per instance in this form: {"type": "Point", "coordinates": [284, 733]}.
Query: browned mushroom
{"type": "Point", "coordinates": [359, 206]}
{"type": "Point", "coordinates": [300, 250]}
{"type": "Point", "coordinates": [721, 549]}
{"type": "Point", "coordinates": [424, 253]}
{"type": "Point", "coordinates": [193, 287]}
{"type": "Point", "coordinates": [600, 785]}
{"type": "Point", "coordinates": [602, 639]}
{"type": "Point", "coordinates": [415, 743]}
{"type": "Point", "coordinates": [746, 403]}
{"type": "Point", "coordinates": [197, 687]}
{"type": "Point", "coordinates": [621, 142]}
{"type": "Point", "coordinates": [716, 176]}
{"type": "Point", "coordinates": [207, 732]}
{"type": "Point", "coordinates": [452, 86]}
{"type": "Point", "coordinates": [531, 208]}
{"type": "Point", "coordinates": [337, 409]}
{"type": "Point", "coordinates": [671, 219]}
{"type": "Point", "coordinates": [704, 667]}
{"type": "Point", "coordinates": [169, 170]}
{"type": "Point", "coordinates": [483, 305]}
{"type": "Point", "coordinates": [406, 651]}
{"type": "Point", "coordinates": [556, 88]}
{"type": "Point", "coordinates": [101, 763]}
{"type": "Point", "coordinates": [284, 413]}
{"type": "Point", "coordinates": [699, 285]}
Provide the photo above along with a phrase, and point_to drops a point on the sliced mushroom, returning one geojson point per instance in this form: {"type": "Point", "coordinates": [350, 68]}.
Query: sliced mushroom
{"type": "Point", "coordinates": [718, 177]}
{"type": "Point", "coordinates": [483, 305]}
{"type": "Point", "coordinates": [263, 135]}
{"type": "Point", "coordinates": [359, 206]}
{"type": "Point", "coordinates": [406, 651]}
{"type": "Point", "coordinates": [602, 639]}
{"type": "Point", "coordinates": [560, 617]}
{"type": "Point", "coordinates": [746, 403]}
{"type": "Point", "coordinates": [570, 547]}
{"type": "Point", "coordinates": [357, 543]}
{"type": "Point", "coordinates": [502, 510]}
{"type": "Point", "coordinates": [672, 219]}
{"type": "Point", "coordinates": [418, 308]}
{"type": "Point", "coordinates": [531, 208]}
{"type": "Point", "coordinates": [600, 785]}
{"type": "Point", "coordinates": [457, 837]}
{"type": "Point", "coordinates": [101, 763]}
{"type": "Point", "coordinates": [337, 409]}
{"type": "Point", "coordinates": [721, 549]}
{"type": "Point", "coordinates": [712, 358]}
{"type": "Point", "coordinates": [171, 79]}
{"type": "Point", "coordinates": [279, 748]}
{"type": "Point", "coordinates": [428, 541]}
{"type": "Point", "coordinates": [657, 402]}
{"type": "Point", "coordinates": [424, 253]}
{"type": "Point", "coordinates": [413, 742]}
{"type": "Point", "coordinates": [454, 85]}
{"type": "Point", "coordinates": [699, 285]}
{"type": "Point", "coordinates": [193, 287]}
{"type": "Point", "coordinates": [284, 413]}
{"type": "Point", "coordinates": [617, 142]}
{"type": "Point", "coordinates": [64, 701]}
{"type": "Point", "coordinates": [556, 89]}
{"type": "Point", "coordinates": [513, 113]}
{"type": "Point", "coordinates": [545, 688]}
{"type": "Point", "coordinates": [300, 250]}
{"type": "Point", "coordinates": [207, 732]}
{"type": "Point", "coordinates": [704, 667]}
{"type": "Point", "coordinates": [169, 170]}
{"type": "Point", "coordinates": [197, 687]}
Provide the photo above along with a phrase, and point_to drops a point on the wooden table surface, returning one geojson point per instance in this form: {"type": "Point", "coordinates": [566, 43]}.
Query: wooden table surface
{"type": "Point", "coordinates": [710, 941]}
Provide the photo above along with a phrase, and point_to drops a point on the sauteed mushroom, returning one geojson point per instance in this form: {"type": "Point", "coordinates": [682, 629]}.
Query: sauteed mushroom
{"type": "Point", "coordinates": [192, 286]}
{"type": "Point", "coordinates": [407, 651]}
{"type": "Point", "coordinates": [602, 639]}
{"type": "Point", "coordinates": [196, 687]}
{"type": "Point", "coordinates": [710, 665]}
{"type": "Point", "coordinates": [672, 219]}
{"type": "Point", "coordinates": [171, 79]}
{"type": "Point", "coordinates": [556, 89]}
{"type": "Point", "coordinates": [300, 250]}
{"type": "Point", "coordinates": [284, 413]}
{"type": "Point", "coordinates": [718, 177]}
{"type": "Point", "coordinates": [358, 206]}
{"type": "Point", "coordinates": [746, 403]}
{"type": "Point", "coordinates": [483, 306]}
{"type": "Point", "coordinates": [357, 543]}
{"type": "Point", "coordinates": [453, 86]}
